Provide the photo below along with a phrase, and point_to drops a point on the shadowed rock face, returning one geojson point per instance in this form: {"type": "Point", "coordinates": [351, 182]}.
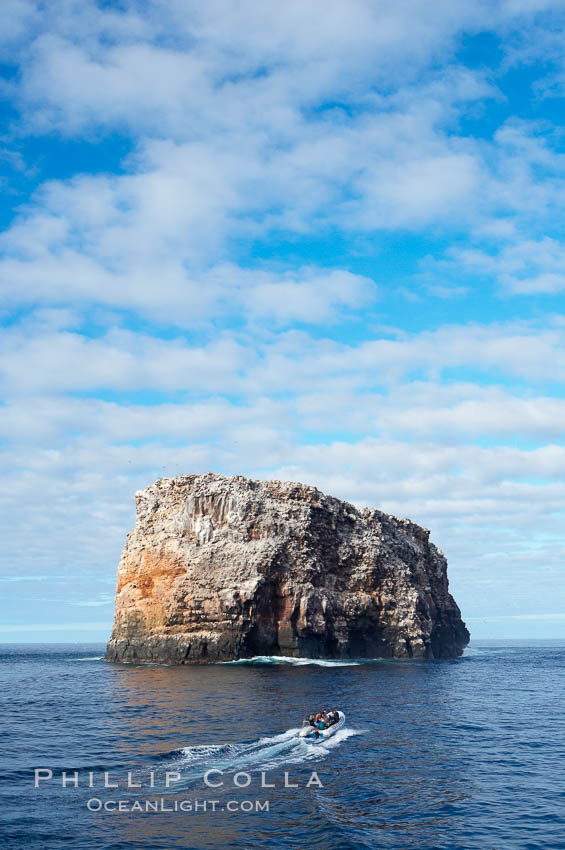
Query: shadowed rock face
{"type": "Point", "coordinates": [219, 568]}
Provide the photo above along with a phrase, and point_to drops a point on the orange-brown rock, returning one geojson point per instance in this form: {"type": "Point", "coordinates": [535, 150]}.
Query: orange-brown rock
{"type": "Point", "coordinates": [219, 568]}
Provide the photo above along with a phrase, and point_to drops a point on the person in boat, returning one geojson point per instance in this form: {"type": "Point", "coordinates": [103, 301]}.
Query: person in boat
{"type": "Point", "coordinates": [334, 717]}
{"type": "Point", "coordinates": [322, 720]}
{"type": "Point", "coordinates": [311, 720]}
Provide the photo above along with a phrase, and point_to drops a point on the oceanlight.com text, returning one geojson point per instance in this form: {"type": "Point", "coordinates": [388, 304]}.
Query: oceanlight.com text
{"type": "Point", "coordinates": [95, 804]}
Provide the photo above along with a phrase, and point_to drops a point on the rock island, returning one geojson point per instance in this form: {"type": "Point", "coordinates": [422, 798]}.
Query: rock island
{"type": "Point", "coordinates": [219, 568]}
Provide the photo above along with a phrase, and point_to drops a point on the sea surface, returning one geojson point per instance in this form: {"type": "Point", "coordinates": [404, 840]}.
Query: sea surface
{"type": "Point", "coordinates": [465, 753]}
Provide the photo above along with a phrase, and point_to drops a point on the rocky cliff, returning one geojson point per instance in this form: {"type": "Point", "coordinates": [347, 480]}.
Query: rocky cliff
{"type": "Point", "coordinates": [219, 568]}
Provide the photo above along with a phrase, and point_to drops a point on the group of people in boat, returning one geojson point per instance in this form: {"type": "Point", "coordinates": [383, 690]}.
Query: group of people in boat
{"type": "Point", "coordinates": [323, 719]}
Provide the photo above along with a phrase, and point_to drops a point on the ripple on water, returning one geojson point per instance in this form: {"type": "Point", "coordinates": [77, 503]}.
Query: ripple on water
{"type": "Point", "coordinates": [464, 753]}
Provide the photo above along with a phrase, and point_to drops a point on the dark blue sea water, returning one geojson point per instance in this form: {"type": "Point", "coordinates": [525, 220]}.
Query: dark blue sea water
{"type": "Point", "coordinates": [448, 754]}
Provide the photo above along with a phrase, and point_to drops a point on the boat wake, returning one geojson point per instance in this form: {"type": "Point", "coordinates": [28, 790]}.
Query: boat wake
{"type": "Point", "coordinates": [265, 754]}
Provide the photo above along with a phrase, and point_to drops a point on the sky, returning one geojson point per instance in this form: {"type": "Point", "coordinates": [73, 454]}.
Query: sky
{"type": "Point", "coordinates": [307, 241]}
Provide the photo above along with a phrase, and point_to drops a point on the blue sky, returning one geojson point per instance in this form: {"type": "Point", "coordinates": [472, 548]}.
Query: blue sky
{"type": "Point", "coordinates": [311, 241]}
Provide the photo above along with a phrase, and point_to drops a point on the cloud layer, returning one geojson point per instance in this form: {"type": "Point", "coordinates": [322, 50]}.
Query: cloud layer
{"type": "Point", "coordinates": [312, 241]}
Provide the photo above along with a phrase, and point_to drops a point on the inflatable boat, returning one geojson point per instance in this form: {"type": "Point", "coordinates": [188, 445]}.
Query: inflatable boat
{"type": "Point", "coordinates": [314, 735]}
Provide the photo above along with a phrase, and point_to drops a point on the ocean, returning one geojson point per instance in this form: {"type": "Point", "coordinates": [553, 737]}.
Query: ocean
{"type": "Point", "coordinates": [465, 753]}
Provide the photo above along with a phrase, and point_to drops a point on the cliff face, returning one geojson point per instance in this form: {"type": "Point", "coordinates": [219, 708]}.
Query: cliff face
{"type": "Point", "coordinates": [220, 568]}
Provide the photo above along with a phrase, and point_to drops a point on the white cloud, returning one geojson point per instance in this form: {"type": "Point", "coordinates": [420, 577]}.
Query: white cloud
{"type": "Point", "coordinates": [150, 240]}
{"type": "Point", "coordinates": [37, 360]}
{"type": "Point", "coordinates": [95, 603]}
{"type": "Point", "coordinates": [254, 124]}
{"type": "Point", "coordinates": [244, 123]}
{"type": "Point", "coordinates": [416, 191]}
{"type": "Point", "coordinates": [92, 66]}
{"type": "Point", "coordinates": [527, 267]}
